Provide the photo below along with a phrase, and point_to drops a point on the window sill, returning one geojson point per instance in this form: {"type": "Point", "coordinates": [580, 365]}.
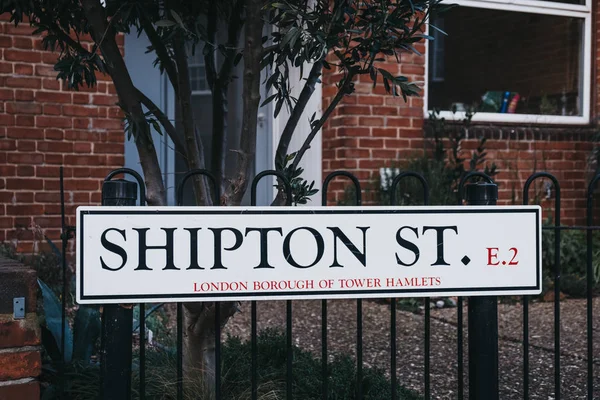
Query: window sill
{"type": "Point", "coordinates": [516, 118]}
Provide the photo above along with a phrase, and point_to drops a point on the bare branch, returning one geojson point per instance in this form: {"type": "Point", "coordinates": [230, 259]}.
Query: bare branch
{"type": "Point", "coordinates": [298, 110]}
{"type": "Point", "coordinates": [192, 140]}
{"type": "Point", "coordinates": [220, 106]}
{"type": "Point", "coordinates": [251, 100]}
{"type": "Point", "coordinates": [210, 45]}
{"type": "Point", "coordinates": [343, 90]}
{"type": "Point", "coordinates": [233, 37]}
{"type": "Point", "coordinates": [104, 35]}
{"type": "Point", "coordinates": [161, 51]}
{"type": "Point", "coordinates": [164, 121]}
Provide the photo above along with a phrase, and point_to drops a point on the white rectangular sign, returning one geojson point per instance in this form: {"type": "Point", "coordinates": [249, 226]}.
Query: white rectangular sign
{"type": "Point", "coordinates": [157, 254]}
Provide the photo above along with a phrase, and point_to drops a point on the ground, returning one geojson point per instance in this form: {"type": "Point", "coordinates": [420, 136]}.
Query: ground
{"type": "Point", "coordinates": [376, 343]}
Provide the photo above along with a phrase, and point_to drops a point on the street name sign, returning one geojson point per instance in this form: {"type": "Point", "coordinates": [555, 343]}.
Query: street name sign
{"type": "Point", "coordinates": [162, 254]}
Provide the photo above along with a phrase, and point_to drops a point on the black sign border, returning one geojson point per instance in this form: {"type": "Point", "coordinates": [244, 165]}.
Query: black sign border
{"type": "Point", "coordinates": [312, 294]}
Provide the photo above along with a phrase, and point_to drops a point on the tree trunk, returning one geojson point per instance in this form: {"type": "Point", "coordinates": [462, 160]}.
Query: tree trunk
{"type": "Point", "coordinates": [199, 318]}
{"type": "Point", "coordinates": [199, 345]}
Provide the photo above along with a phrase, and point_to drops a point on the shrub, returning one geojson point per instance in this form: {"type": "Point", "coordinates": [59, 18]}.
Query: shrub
{"type": "Point", "coordinates": [573, 260]}
{"type": "Point", "coordinates": [84, 381]}
{"type": "Point", "coordinates": [443, 164]}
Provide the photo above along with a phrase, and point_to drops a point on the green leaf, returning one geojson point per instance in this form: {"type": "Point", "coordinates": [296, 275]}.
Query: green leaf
{"type": "Point", "coordinates": [177, 18]}
{"type": "Point", "coordinates": [269, 99]}
{"type": "Point", "coordinates": [86, 329]}
{"type": "Point", "coordinates": [53, 319]}
{"type": "Point", "coordinates": [165, 23]}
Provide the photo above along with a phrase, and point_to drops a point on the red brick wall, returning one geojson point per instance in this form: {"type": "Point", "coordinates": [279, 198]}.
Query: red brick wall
{"type": "Point", "coordinates": [44, 126]}
{"type": "Point", "coordinates": [370, 131]}
{"type": "Point", "coordinates": [20, 359]}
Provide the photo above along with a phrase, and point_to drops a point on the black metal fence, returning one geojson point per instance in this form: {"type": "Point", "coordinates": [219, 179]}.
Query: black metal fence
{"type": "Point", "coordinates": [120, 315]}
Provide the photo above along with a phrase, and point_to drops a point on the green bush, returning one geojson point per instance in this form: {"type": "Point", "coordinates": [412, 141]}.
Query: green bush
{"type": "Point", "coordinates": [443, 164]}
{"type": "Point", "coordinates": [573, 260]}
{"type": "Point", "coordinates": [83, 382]}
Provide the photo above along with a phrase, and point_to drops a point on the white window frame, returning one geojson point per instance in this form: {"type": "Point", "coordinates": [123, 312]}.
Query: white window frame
{"type": "Point", "coordinates": [197, 60]}
{"type": "Point", "coordinates": [583, 12]}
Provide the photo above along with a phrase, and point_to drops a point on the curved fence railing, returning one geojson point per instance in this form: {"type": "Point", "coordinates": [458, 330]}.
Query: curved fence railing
{"type": "Point", "coordinates": [557, 228]}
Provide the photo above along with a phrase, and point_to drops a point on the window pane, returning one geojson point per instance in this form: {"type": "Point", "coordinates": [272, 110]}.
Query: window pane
{"type": "Point", "coordinates": [502, 61]}
{"type": "Point", "coordinates": [579, 2]}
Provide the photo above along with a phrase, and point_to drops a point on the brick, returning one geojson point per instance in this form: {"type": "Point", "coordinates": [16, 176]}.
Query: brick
{"type": "Point", "coordinates": [23, 108]}
{"type": "Point", "coordinates": [371, 121]}
{"type": "Point", "coordinates": [24, 133]}
{"type": "Point", "coordinates": [362, 131]}
{"type": "Point", "coordinates": [24, 95]}
{"type": "Point", "coordinates": [24, 197]}
{"type": "Point", "coordinates": [19, 365]}
{"type": "Point", "coordinates": [385, 110]}
{"type": "Point", "coordinates": [112, 124]}
{"type": "Point", "coordinates": [54, 134]}
{"type": "Point", "coordinates": [372, 100]}
{"type": "Point", "coordinates": [47, 170]}
{"type": "Point", "coordinates": [53, 97]}
{"type": "Point", "coordinates": [23, 83]}
{"type": "Point", "coordinates": [5, 41]}
{"type": "Point", "coordinates": [49, 58]}
{"type": "Point", "coordinates": [104, 100]}
{"type": "Point", "coordinates": [80, 111]}
{"type": "Point", "coordinates": [7, 170]}
{"type": "Point", "coordinates": [371, 143]}
{"type": "Point", "coordinates": [6, 120]}
{"type": "Point", "coordinates": [53, 158]}
{"type": "Point", "coordinates": [47, 197]}
{"type": "Point", "coordinates": [24, 183]}
{"type": "Point", "coordinates": [29, 390]}
{"type": "Point", "coordinates": [45, 70]}
{"type": "Point", "coordinates": [52, 109]}
{"type": "Point", "coordinates": [21, 29]}
{"type": "Point", "coordinates": [82, 148]}
{"type": "Point", "coordinates": [81, 160]}
{"type": "Point", "coordinates": [23, 69]}
{"type": "Point", "coordinates": [25, 120]}
{"type": "Point", "coordinates": [52, 122]}
{"type": "Point", "coordinates": [51, 84]}
{"type": "Point", "coordinates": [6, 94]}
{"type": "Point", "coordinates": [356, 110]}
{"type": "Point", "coordinates": [26, 145]}
{"type": "Point", "coordinates": [385, 132]}
{"type": "Point", "coordinates": [81, 98]}
{"type": "Point", "coordinates": [82, 184]}
{"type": "Point", "coordinates": [25, 158]}
{"type": "Point", "coordinates": [55, 147]}
{"type": "Point", "coordinates": [20, 55]}
{"type": "Point", "coordinates": [106, 148]}
{"type": "Point", "coordinates": [405, 122]}
{"type": "Point", "coordinates": [8, 145]}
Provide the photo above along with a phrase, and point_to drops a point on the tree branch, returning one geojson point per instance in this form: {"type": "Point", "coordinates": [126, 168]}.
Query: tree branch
{"type": "Point", "coordinates": [210, 45]}
{"type": "Point", "coordinates": [220, 104]}
{"type": "Point", "coordinates": [292, 122]}
{"type": "Point", "coordinates": [233, 37]}
{"type": "Point", "coordinates": [251, 100]}
{"type": "Point", "coordinates": [161, 51]}
{"type": "Point", "coordinates": [192, 140]}
{"type": "Point", "coordinates": [343, 90]}
{"type": "Point", "coordinates": [104, 35]}
{"type": "Point", "coordinates": [164, 121]}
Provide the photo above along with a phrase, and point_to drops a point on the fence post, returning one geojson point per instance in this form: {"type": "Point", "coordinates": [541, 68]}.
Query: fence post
{"type": "Point", "coordinates": [483, 319]}
{"type": "Point", "coordinates": [117, 320]}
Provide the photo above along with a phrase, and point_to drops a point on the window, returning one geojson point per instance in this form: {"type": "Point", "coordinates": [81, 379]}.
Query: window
{"type": "Point", "coordinates": [512, 61]}
{"type": "Point", "coordinates": [198, 73]}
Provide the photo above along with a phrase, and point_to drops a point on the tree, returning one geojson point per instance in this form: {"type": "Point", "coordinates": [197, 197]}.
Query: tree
{"type": "Point", "coordinates": [354, 37]}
